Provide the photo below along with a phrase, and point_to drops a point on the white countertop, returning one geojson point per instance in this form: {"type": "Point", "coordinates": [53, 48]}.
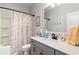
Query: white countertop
{"type": "Point", "coordinates": [59, 45]}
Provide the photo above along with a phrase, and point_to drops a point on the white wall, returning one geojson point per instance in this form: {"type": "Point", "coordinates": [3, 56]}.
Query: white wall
{"type": "Point", "coordinates": [38, 10]}
{"type": "Point", "coordinates": [58, 14]}
{"type": "Point", "coordinates": [15, 6]}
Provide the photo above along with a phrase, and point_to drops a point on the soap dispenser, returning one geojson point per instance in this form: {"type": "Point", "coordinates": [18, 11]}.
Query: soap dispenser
{"type": "Point", "coordinates": [46, 34]}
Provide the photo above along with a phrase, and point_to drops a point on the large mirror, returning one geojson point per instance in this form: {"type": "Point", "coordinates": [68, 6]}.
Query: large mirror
{"type": "Point", "coordinates": [59, 16]}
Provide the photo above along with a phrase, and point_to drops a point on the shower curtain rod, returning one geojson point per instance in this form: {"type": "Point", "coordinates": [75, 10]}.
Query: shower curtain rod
{"type": "Point", "coordinates": [17, 11]}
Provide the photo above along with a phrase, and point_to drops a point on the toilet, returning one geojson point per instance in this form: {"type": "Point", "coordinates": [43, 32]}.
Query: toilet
{"type": "Point", "coordinates": [26, 49]}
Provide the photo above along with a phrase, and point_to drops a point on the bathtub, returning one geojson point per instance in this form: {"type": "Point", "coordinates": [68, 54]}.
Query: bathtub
{"type": "Point", "coordinates": [4, 50]}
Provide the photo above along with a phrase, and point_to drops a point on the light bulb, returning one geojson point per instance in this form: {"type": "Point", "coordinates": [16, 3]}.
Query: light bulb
{"type": "Point", "coordinates": [59, 3]}
{"type": "Point", "coordinates": [52, 5]}
{"type": "Point", "coordinates": [48, 4]}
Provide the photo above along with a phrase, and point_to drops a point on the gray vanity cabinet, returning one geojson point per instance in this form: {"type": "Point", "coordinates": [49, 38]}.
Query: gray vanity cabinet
{"type": "Point", "coordinates": [38, 48]}
{"type": "Point", "coordinates": [34, 49]}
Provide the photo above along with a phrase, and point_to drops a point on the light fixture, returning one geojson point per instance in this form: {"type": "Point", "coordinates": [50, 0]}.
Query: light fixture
{"type": "Point", "coordinates": [51, 5]}
{"type": "Point", "coordinates": [59, 3]}
{"type": "Point", "coordinates": [48, 4]}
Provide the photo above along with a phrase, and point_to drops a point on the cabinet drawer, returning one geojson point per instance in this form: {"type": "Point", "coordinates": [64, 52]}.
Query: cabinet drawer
{"type": "Point", "coordinates": [59, 53]}
{"type": "Point", "coordinates": [45, 48]}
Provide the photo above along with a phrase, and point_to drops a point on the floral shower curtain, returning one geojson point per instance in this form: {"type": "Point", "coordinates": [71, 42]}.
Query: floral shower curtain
{"type": "Point", "coordinates": [22, 30]}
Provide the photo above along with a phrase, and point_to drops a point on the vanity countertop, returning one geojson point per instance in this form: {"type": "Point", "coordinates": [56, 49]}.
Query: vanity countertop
{"type": "Point", "coordinates": [59, 45]}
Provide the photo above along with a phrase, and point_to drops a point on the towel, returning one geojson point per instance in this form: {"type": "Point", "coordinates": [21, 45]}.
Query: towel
{"type": "Point", "coordinates": [73, 36]}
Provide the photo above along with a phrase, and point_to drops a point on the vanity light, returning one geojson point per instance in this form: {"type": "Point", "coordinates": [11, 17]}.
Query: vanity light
{"type": "Point", "coordinates": [59, 3]}
{"type": "Point", "coordinates": [51, 5]}
{"type": "Point", "coordinates": [48, 4]}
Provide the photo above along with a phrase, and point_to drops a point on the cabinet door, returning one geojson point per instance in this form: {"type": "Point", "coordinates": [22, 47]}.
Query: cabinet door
{"type": "Point", "coordinates": [40, 52]}
{"type": "Point", "coordinates": [33, 50]}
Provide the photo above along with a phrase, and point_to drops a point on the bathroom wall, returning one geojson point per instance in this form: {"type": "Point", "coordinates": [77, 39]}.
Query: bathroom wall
{"type": "Point", "coordinates": [58, 16]}
{"type": "Point", "coordinates": [38, 10]}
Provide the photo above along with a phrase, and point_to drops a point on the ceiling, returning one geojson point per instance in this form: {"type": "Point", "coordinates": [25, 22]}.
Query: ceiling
{"type": "Point", "coordinates": [49, 8]}
{"type": "Point", "coordinates": [27, 5]}
{"type": "Point", "coordinates": [23, 5]}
